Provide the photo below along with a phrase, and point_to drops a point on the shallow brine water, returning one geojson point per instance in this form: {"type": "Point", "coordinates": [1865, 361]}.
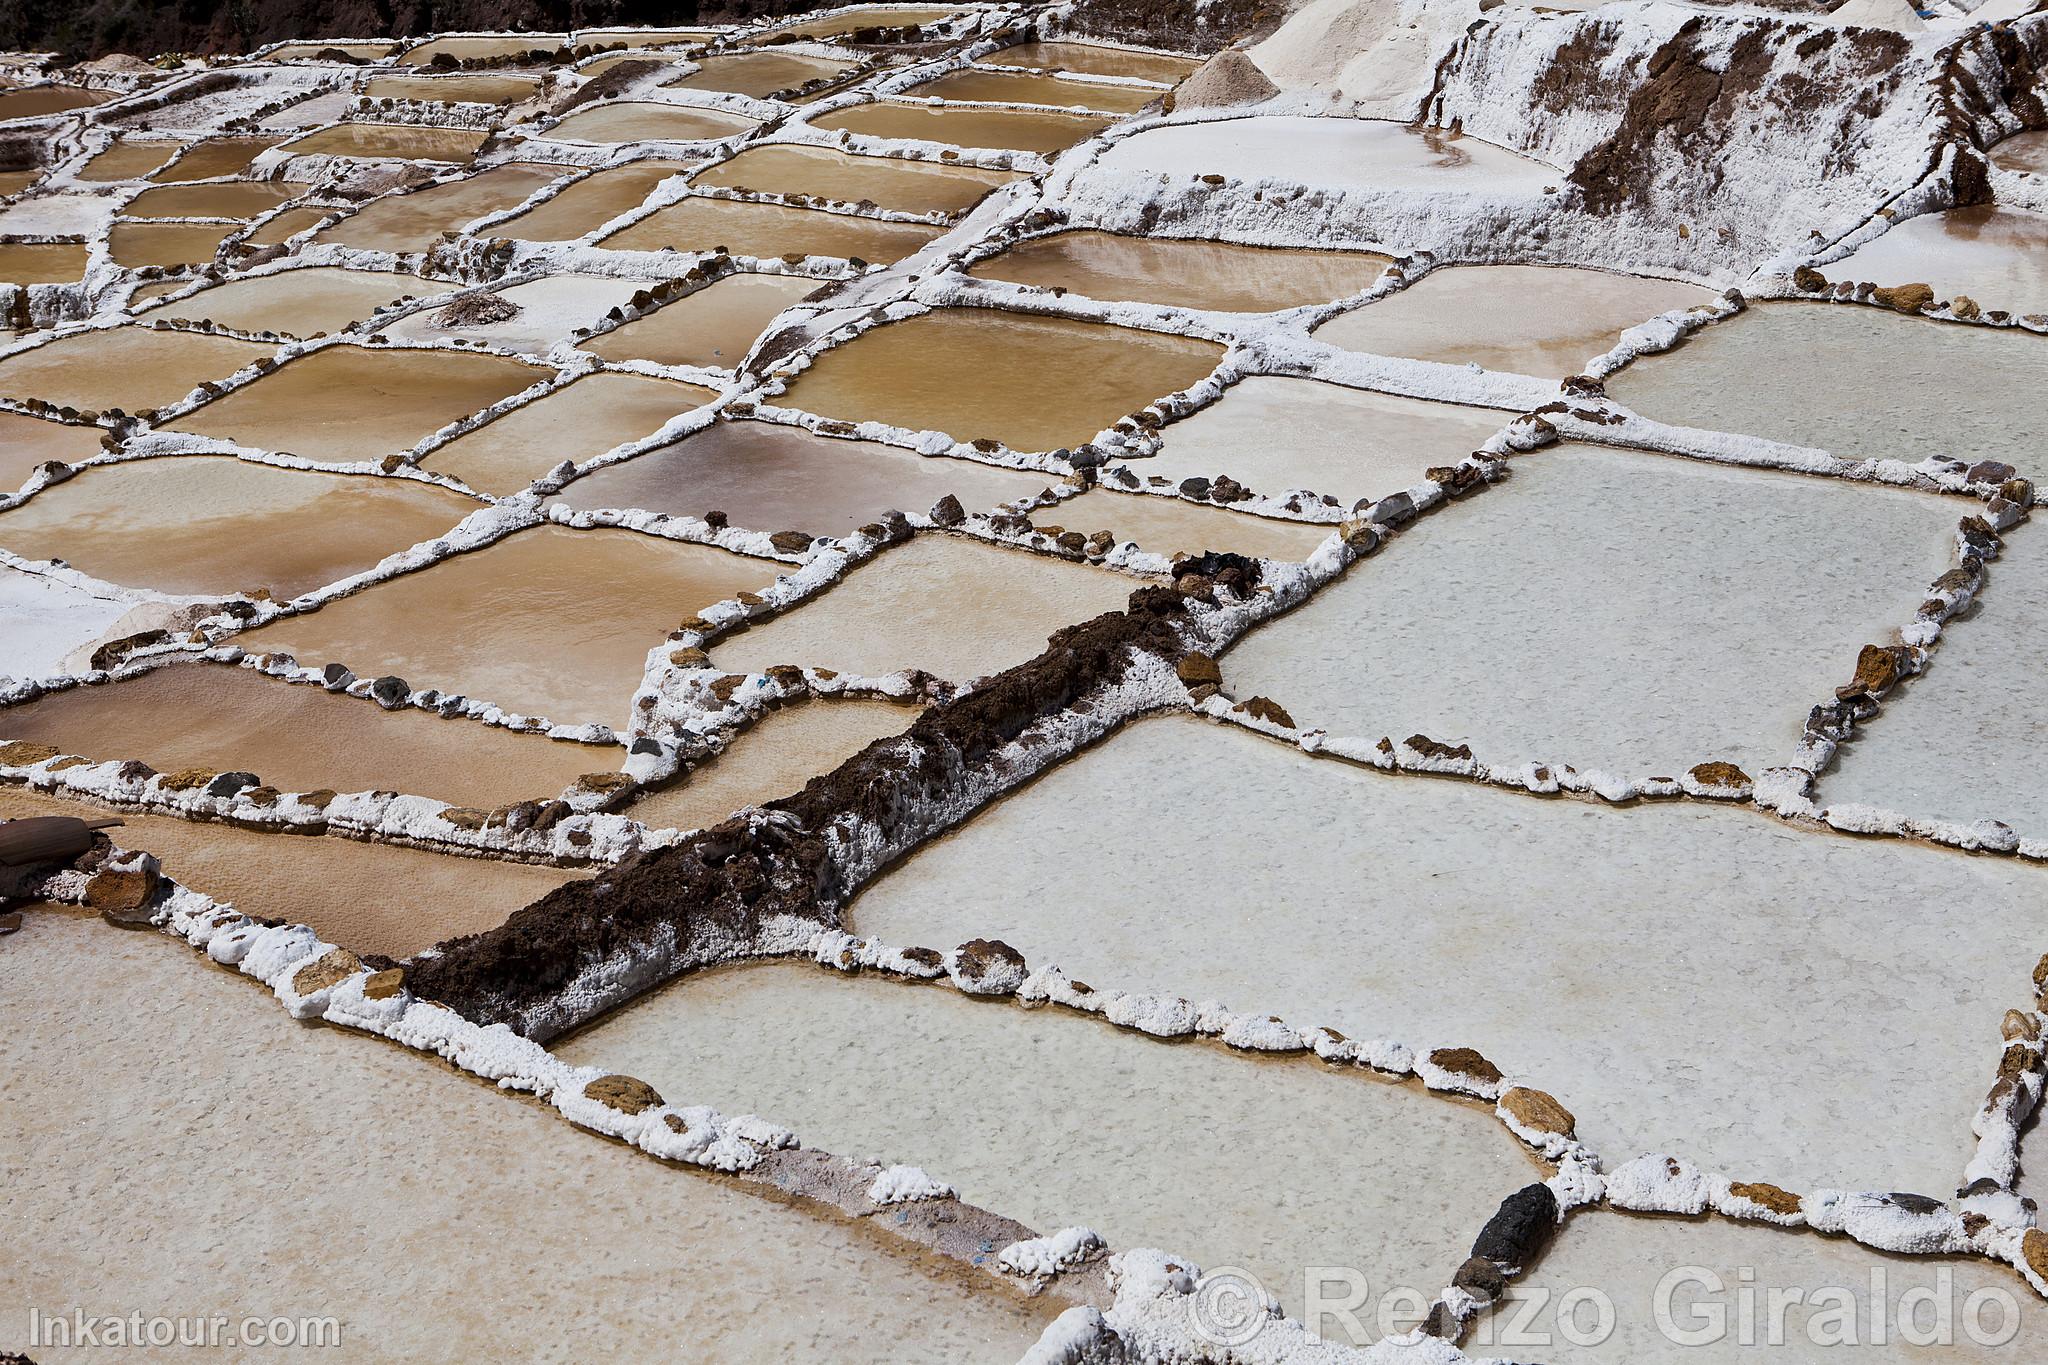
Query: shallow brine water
{"type": "Point", "coordinates": [1094, 59]}
{"type": "Point", "coordinates": [1998, 257]}
{"type": "Point", "coordinates": [1007, 87]}
{"type": "Point", "coordinates": [134, 245]}
{"type": "Point", "coordinates": [589, 203]}
{"type": "Point", "coordinates": [549, 621]}
{"type": "Point", "coordinates": [1172, 527]}
{"type": "Point", "coordinates": [953, 607]}
{"type": "Point", "coordinates": [369, 50]}
{"type": "Point", "coordinates": [975, 372]}
{"type": "Point", "coordinates": [410, 222]}
{"type": "Point", "coordinates": [127, 160]}
{"type": "Point", "coordinates": [236, 199]}
{"type": "Point", "coordinates": [643, 121]}
{"type": "Point", "coordinates": [907, 186]}
{"type": "Point", "coordinates": [27, 442]}
{"type": "Point", "coordinates": [1347, 153]}
{"type": "Point", "coordinates": [49, 99]}
{"type": "Point", "coordinates": [713, 327]}
{"type": "Point", "coordinates": [644, 37]}
{"type": "Point", "coordinates": [302, 302]}
{"type": "Point", "coordinates": [769, 230]}
{"type": "Point", "coordinates": [290, 223]}
{"type": "Point", "coordinates": [479, 89]}
{"type": "Point", "coordinates": [41, 262]}
{"type": "Point", "coordinates": [578, 422]}
{"type": "Point", "coordinates": [412, 142]}
{"type": "Point", "coordinates": [1180, 274]}
{"type": "Point", "coordinates": [469, 49]}
{"type": "Point", "coordinates": [759, 74]}
{"type": "Point", "coordinates": [769, 477]}
{"type": "Point", "coordinates": [1006, 129]}
{"type": "Point", "coordinates": [2022, 152]}
{"type": "Point", "coordinates": [216, 157]}
{"type": "Point", "coordinates": [214, 524]}
{"type": "Point", "coordinates": [868, 16]}
{"type": "Point", "coordinates": [127, 367]}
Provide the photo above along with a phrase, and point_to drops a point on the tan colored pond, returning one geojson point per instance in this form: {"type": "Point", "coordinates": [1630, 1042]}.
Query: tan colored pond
{"type": "Point", "coordinates": [290, 223]}
{"type": "Point", "coordinates": [759, 74]}
{"type": "Point", "coordinates": [217, 157]}
{"type": "Point", "coordinates": [126, 367]}
{"type": "Point", "coordinates": [1996, 256]}
{"type": "Point", "coordinates": [640, 121]}
{"type": "Point", "coordinates": [769, 230]}
{"type": "Point", "coordinates": [583, 420]}
{"type": "Point", "coordinates": [301, 738]}
{"type": "Point", "coordinates": [550, 621]}
{"type": "Point", "coordinates": [907, 186]}
{"type": "Point", "coordinates": [411, 222]}
{"type": "Point", "coordinates": [2026, 152]}
{"type": "Point", "coordinates": [784, 750]}
{"type": "Point", "coordinates": [212, 524]}
{"type": "Point", "coordinates": [237, 199]}
{"type": "Point", "coordinates": [1181, 274]}
{"type": "Point", "coordinates": [478, 88]}
{"type": "Point", "coordinates": [769, 477]}
{"type": "Point", "coordinates": [976, 372]}
{"type": "Point", "coordinates": [469, 49]}
{"type": "Point", "coordinates": [27, 442]}
{"type": "Point", "coordinates": [1093, 59]}
{"type": "Point", "coordinates": [643, 37]}
{"type": "Point", "coordinates": [1014, 87]}
{"type": "Point", "coordinates": [411, 142]}
{"type": "Point", "coordinates": [134, 245]}
{"type": "Point", "coordinates": [302, 302]}
{"type": "Point", "coordinates": [867, 16]}
{"type": "Point", "coordinates": [954, 607]}
{"type": "Point", "coordinates": [1170, 526]}
{"type": "Point", "coordinates": [600, 65]}
{"type": "Point", "coordinates": [353, 47]}
{"type": "Point", "coordinates": [1012, 129]}
{"type": "Point", "coordinates": [41, 262]}
{"type": "Point", "coordinates": [14, 182]}
{"type": "Point", "coordinates": [349, 403]}
{"type": "Point", "coordinates": [589, 203]}
{"type": "Point", "coordinates": [48, 99]}
{"type": "Point", "coordinates": [127, 160]}
{"type": "Point", "coordinates": [714, 326]}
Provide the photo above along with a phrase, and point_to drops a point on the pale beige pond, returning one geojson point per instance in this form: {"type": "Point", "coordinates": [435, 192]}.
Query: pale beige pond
{"type": "Point", "coordinates": [769, 230]}
{"type": "Point", "coordinates": [469, 49]}
{"type": "Point", "coordinates": [27, 442]}
{"type": "Point", "coordinates": [214, 524]}
{"type": "Point", "coordinates": [14, 182]}
{"type": "Point", "coordinates": [41, 262]}
{"type": "Point", "coordinates": [1096, 59]}
{"type": "Point", "coordinates": [2022, 152]}
{"type": "Point", "coordinates": [290, 223]}
{"type": "Point", "coordinates": [134, 245]}
{"type": "Point", "coordinates": [775, 758]}
{"type": "Point", "coordinates": [481, 88]}
{"type": "Point", "coordinates": [349, 403]}
{"type": "Point", "coordinates": [644, 121]}
{"type": "Point", "coordinates": [1013, 87]}
{"type": "Point", "coordinates": [217, 157]}
{"type": "Point", "coordinates": [589, 203]}
{"type": "Point", "coordinates": [1007, 129]}
{"type": "Point", "coordinates": [907, 186]}
{"type": "Point", "coordinates": [953, 607]}
{"type": "Point", "coordinates": [411, 142]}
{"type": "Point", "coordinates": [975, 372]}
{"type": "Point", "coordinates": [236, 199]}
{"type": "Point", "coordinates": [302, 302]}
{"type": "Point", "coordinates": [869, 16]}
{"type": "Point", "coordinates": [643, 37]}
{"type": "Point", "coordinates": [1997, 257]}
{"type": "Point", "coordinates": [1171, 526]}
{"type": "Point", "coordinates": [714, 327]}
{"type": "Point", "coordinates": [127, 367]}
{"type": "Point", "coordinates": [410, 222]}
{"type": "Point", "coordinates": [126, 160]}
{"type": "Point", "coordinates": [549, 621]}
{"type": "Point", "coordinates": [355, 48]}
{"type": "Point", "coordinates": [583, 420]}
{"type": "Point", "coordinates": [48, 99]}
{"type": "Point", "coordinates": [759, 74]}
{"type": "Point", "coordinates": [769, 477]}
{"type": "Point", "coordinates": [600, 65]}
{"type": "Point", "coordinates": [1184, 274]}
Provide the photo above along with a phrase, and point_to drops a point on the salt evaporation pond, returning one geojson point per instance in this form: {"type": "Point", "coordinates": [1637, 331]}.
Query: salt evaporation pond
{"type": "Point", "coordinates": [1345, 153]}
{"type": "Point", "coordinates": [1173, 526]}
{"type": "Point", "coordinates": [644, 37]}
{"type": "Point", "coordinates": [770, 477]}
{"type": "Point", "coordinates": [1610, 657]}
{"type": "Point", "coordinates": [1580, 947]}
{"type": "Point", "coordinates": [775, 758]}
{"type": "Point", "coordinates": [352, 403]}
{"type": "Point", "coordinates": [288, 224]}
{"type": "Point", "coordinates": [126, 160]}
{"type": "Point", "coordinates": [640, 122]}
{"type": "Point", "coordinates": [953, 607]}
{"type": "Point", "coordinates": [235, 199]}
{"type": "Point", "coordinates": [48, 99]}
{"type": "Point", "coordinates": [699, 223]}
{"type": "Point", "coordinates": [585, 205]}
{"type": "Point", "coordinates": [1095, 59]}
{"type": "Point", "coordinates": [578, 422]}
{"type": "Point", "coordinates": [1540, 320]}
{"type": "Point", "coordinates": [410, 141]}
{"type": "Point", "coordinates": [1997, 257]}
{"type": "Point", "coordinates": [302, 302]}
{"type": "Point", "coordinates": [26, 443]}
{"type": "Point", "coordinates": [126, 367]}
{"type": "Point", "coordinates": [2026, 152]}
{"type": "Point", "coordinates": [964, 126]}
{"type": "Point", "coordinates": [368, 50]}
{"type": "Point", "coordinates": [410, 222]}
{"type": "Point", "coordinates": [866, 16]}
{"type": "Point", "coordinates": [549, 621]}
{"type": "Point", "coordinates": [1014, 87]}
{"type": "Point", "coordinates": [1149, 1147]}
{"type": "Point", "coordinates": [713, 327]}
{"type": "Point", "coordinates": [906, 186]}
{"type": "Point", "coordinates": [470, 48]}
{"type": "Point", "coordinates": [1273, 435]}
{"type": "Point", "coordinates": [549, 310]}
{"type": "Point", "coordinates": [301, 738]}
{"type": "Point", "coordinates": [136, 245]}
{"type": "Point", "coordinates": [41, 262]}
{"type": "Point", "coordinates": [977, 373]}
{"type": "Point", "coordinates": [1927, 388]}
{"type": "Point", "coordinates": [213, 524]}
{"type": "Point", "coordinates": [759, 74]}
{"type": "Point", "coordinates": [1184, 274]}
{"type": "Point", "coordinates": [479, 89]}
{"type": "Point", "coordinates": [216, 157]}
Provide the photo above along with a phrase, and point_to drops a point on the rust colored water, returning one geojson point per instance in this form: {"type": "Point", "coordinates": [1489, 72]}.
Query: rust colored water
{"type": "Point", "coordinates": [1013, 129]}
{"type": "Point", "coordinates": [301, 738]}
{"type": "Point", "coordinates": [1219, 275]}
{"type": "Point", "coordinates": [713, 327]}
{"type": "Point", "coordinates": [473, 89]}
{"type": "Point", "coordinates": [14, 182]}
{"type": "Point", "coordinates": [48, 99]}
{"type": "Point", "coordinates": [410, 222]}
{"type": "Point", "coordinates": [1092, 60]}
{"type": "Point", "coordinates": [908, 186]}
{"type": "Point", "coordinates": [470, 49]}
{"type": "Point", "coordinates": [26, 442]}
{"type": "Point", "coordinates": [583, 420]}
{"type": "Point", "coordinates": [768, 230]}
{"type": "Point", "coordinates": [549, 621]}
{"type": "Point", "coordinates": [588, 204]}
{"type": "Point", "coordinates": [1008, 87]}
{"type": "Point", "coordinates": [218, 157]}
{"type": "Point", "coordinates": [213, 524]}
{"type": "Point", "coordinates": [287, 224]}
{"type": "Point", "coordinates": [358, 403]}
{"type": "Point", "coordinates": [410, 142]}
{"type": "Point", "coordinates": [951, 606]}
{"type": "Point", "coordinates": [1032, 383]}
{"type": "Point", "coordinates": [41, 262]}
{"type": "Point", "coordinates": [127, 160]}
{"type": "Point", "coordinates": [1170, 526]}
{"type": "Point", "coordinates": [302, 302]}
{"type": "Point", "coordinates": [775, 758]}
{"type": "Point", "coordinates": [135, 245]}
{"type": "Point", "coordinates": [237, 199]}
{"type": "Point", "coordinates": [126, 367]}
{"type": "Point", "coordinates": [769, 477]}
{"type": "Point", "coordinates": [759, 74]}
{"type": "Point", "coordinates": [643, 121]}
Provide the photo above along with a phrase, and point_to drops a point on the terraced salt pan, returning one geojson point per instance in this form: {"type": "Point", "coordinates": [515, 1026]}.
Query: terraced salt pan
{"type": "Point", "coordinates": [135, 245]}
{"type": "Point", "coordinates": [302, 302]}
{"type": "Point", "coordinates": [1272, 435]}
{"type": "Point", "coordinates": [300, 738]}
{"type": "Point", "coordinates": [583, 420]}
{"type": "Point", "coordinates": [783, 751]}
{"type": "Point", "coordinates": [411, 142]}
{"type": "Point", "coordinates": [48, 99]}
{"type": "Point", "coordinates": [216, 157]}
{"type": "Point", "coordinates": [1996, 256]}
{"type": "Point", "coordinates": [1219, 275]}
{"type": "Point", "coordinates": [306, 51]}
{"type": "Point", "coordinates": [27, 442]}
{"type": "Point", "coordinates": [603, 64]}
{"type": "Point", "coordinates": [1093, 59]}
{"type": "Point", "coordinates": [1346, 153]}
{"type": "Point", "coordinates": [41, 262]}
{"type": "Point", "coordinates": [550, 309]}
{"type": "Point", "coordinates": [643, 121]}
{"type": "Point", "coordinates": [1540, 320]}
{"type": "Point", "coordinates": [290, 223]}
{"type": "Point", "coordinates": [478, 88]}
{"type": "Point", "coordinates": [1380, 1177]}
{"type": "Point", "coordinates": [1012, 129]}
{"type": "Point", "coordinates": [471, 49]}
{"type": "Point", "coordinates": [127, 160]}
{"type": "Point", "coordinates": [759, 74]}
{"type": "Point", "coordinates": [867, 16]}
{"type": "Point", "coordinates": [953, 607]}
{"type": "Point", "coordinates": [548, 622]}
{"type": "Point", "coordinates": [714, 326]}
{"type": "Point", "coordinates": [410, 222]}
{"type": "Point", "coordinates": [127, 367]}
{"type": "Point", "coordinates": [589, 203]}
{"type": "Point", "coordinates": [769, 477]}
{"type": "Point", "coordinates": [1920, 387]}
{"type": "Point", "coordinates": [1685, 977]}
{"type": "Point", "coordinates": [14, 182]}
{"type": "Point", "coordinates": [1009, 87]}
{"type": "Point", "coordinates": [977, 372]}
{"type": "Point", "coordinates": [644, 37]}
{"type": "Point", "coordinates": [769, 230]}
{"type": "Point", "coordinates": [2022, 152]}
{"type": "Point", "coordinates": [907, 186]}
{"type": "Point", "coordinates": [213, 524]}
{"type": "Point", "coordinates": [237, 199]}
{"type": "Point", "coordinates": [1171, 526]}
{"type": "Point", "coordinates": [1552, 619]}
{"type": "Point", "coordinates": [347, 403]}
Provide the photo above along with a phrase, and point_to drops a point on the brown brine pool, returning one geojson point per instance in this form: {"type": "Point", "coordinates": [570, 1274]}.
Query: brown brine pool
{"type": "Point", "coordinates": [1018, 130]}
{"type": "Point", "coordinates": [699, 223]}
{"type": "Point", "coordinates": [892, 183]}
{"type": "Point", "coordinates": [713, 327]}
{"type": "Point", "coordinates": [1184, 274]}
{"type": "Point", "coordinates": [578, 422]}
